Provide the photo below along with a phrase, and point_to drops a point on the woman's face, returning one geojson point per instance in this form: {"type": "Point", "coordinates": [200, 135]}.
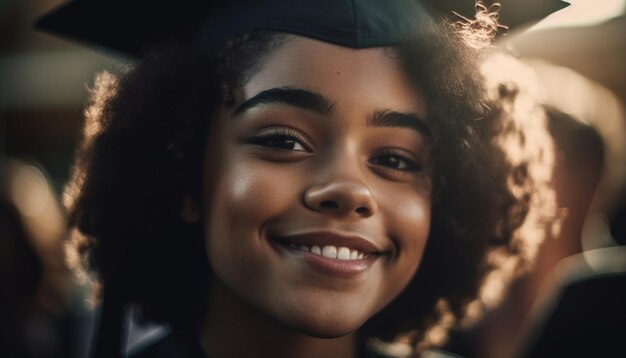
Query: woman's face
{"type": "Point", "coordinates": [322, 206]}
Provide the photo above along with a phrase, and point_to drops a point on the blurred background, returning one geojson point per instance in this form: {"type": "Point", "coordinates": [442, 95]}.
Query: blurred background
{"type": "Point", "coordinates": [44, 309]}
{"type": "Point", "coordinates": [579, 53]}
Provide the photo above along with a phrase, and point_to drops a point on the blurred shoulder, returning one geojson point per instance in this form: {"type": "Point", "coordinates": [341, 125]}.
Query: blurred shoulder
{"type": "Point", "coordinates": [169, 346]}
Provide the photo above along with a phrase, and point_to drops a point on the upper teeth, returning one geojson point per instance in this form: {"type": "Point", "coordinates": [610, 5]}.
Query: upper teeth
{"type": "Point", "coordinates": [333, 252]}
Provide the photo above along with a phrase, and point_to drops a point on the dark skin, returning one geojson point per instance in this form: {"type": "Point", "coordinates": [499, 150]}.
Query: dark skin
{"type": "Point", "coordinates": [325, 146]}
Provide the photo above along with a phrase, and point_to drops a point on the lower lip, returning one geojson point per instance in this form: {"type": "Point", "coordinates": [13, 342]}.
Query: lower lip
{"type": "Point", "coordinates": [328, 266]}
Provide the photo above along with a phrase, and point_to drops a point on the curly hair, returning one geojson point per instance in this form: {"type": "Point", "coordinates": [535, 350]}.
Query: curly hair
{"type": "Point", "coordinates": [493, 203]}
{"type": "Point", "coordinates": [142, 152]}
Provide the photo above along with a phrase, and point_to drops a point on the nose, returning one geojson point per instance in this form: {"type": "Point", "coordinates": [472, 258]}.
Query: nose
{"type": "Point", "coordinates": [341, 198]}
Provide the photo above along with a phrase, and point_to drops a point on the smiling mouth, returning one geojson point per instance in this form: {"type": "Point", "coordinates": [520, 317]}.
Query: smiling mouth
{"type": "Point", "coordinates": [331, 253]}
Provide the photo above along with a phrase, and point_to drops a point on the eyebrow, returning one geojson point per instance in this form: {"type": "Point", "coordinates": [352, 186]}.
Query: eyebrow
{"type": "Point", "coordinates": [315, 102]}
{"type": "Point", "coordinates": [399, 119]}
{"type": "Point", "coordinates": [295, 97]}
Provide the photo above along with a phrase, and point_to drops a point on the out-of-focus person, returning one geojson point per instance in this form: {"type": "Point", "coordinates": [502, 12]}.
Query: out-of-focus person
{"type": "Point", "coordinates": [579, 287]}
{"type": "Point", "coordinates": [556, 308]}
{"type": "Point", "coordinates": [39, 306]}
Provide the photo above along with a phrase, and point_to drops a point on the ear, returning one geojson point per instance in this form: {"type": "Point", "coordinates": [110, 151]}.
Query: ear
{"type": "Point", "coordinates": [189, 210]}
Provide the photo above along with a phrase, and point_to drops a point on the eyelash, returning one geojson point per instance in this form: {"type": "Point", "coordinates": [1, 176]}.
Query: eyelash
{"type": "Point", "coordinates": [409, 161]}
{"type": "Point", "coordinates": [269, 138]}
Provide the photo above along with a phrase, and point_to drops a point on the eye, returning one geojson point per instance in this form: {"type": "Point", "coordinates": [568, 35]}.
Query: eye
{"type": "Point", "coordinates": [281, 139]}
{"type": "Point", "coordinates": [396, 159]}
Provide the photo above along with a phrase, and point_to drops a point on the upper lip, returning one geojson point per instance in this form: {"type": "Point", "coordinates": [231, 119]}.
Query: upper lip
{"type": "Point", "coordinates": [334, 238]}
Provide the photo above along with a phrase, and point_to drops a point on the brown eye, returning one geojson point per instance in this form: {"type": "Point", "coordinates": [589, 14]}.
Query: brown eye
{"type": "Point", "coordinates": [397, 160]}
{"type": "Point", "coordinates": [286, 139]}
{"type": "Point", "coordinates": [278, 142]}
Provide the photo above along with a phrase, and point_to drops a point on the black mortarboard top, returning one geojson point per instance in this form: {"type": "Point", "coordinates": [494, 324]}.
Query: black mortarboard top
{"type": "Point", "coordinates": [129, 26]}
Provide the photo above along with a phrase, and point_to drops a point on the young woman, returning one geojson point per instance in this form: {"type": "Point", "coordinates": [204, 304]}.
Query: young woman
{"type": "Point", "coordinates": [303, 176]}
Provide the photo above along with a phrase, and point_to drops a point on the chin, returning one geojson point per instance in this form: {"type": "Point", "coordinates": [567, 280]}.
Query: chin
{"type": "Point", "coordinates": [327, 332]}
{"type": "Point", "coordinates": [326, 328]}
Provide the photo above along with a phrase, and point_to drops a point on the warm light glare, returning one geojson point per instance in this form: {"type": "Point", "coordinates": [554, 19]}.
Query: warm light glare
{"type": "Point", "coordinates": [583, 13]}
{"type": "Point", "coordinates": [29, 191]}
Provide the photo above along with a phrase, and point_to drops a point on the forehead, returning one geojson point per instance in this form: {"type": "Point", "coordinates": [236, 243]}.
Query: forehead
{"type": "Point", "coordinates": [348, 77]}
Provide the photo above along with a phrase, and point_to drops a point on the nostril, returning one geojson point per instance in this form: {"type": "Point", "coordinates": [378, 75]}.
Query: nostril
{"type": "Point", "coordinates": [362, 210]}
{"type": "Point", "coordinates": [327, 204]}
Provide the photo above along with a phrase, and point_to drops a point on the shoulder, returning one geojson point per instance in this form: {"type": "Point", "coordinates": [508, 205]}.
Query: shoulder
{"type": "Point", "coordinates": [171, 345]}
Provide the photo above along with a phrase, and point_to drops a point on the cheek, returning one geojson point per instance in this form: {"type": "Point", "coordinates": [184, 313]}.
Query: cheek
{"type": "Point", "coordinates": [252, 192]}
{"type": "Point", "coordinates": [237, 205]}
{"type": "Point", "coordinates": [248, 195]}
{"type": "Point", "coordinates": [409, 225]}
{"type": "Point", "coordinates": [416, 218]}
{"type": "Point", "coordinates": [409, 218]}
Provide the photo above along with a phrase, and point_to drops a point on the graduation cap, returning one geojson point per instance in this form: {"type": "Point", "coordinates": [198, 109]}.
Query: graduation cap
{"type": "Point", "coordinates": [130, 26]}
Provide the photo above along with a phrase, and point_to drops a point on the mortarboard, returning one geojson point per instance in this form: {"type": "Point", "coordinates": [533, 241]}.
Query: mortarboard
{"type": "Point", "coordinates": [129, 26]}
